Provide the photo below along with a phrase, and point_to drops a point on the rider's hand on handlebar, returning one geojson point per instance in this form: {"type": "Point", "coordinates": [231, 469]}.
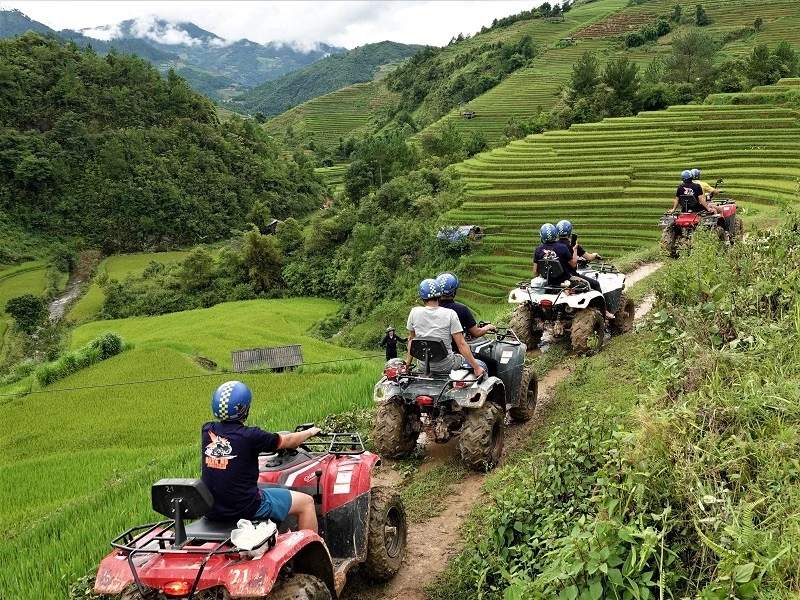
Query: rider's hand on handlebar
{"type": "Point", "coordinates": [479, 372]}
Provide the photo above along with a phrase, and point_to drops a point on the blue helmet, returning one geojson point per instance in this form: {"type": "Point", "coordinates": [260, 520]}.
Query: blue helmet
{"type": "Point", "coordinates": [429, 288]}
{"type": "Point", "coordinates": [695, 173]}
{"type": "Point", "coordinates": [448, 282]}
{"type": "Point", "coordinates": [564, 227]}
{"type": "Point", "coordinates": [686, 175]}
{"type": "Point", "coordinates": [231, 401]}
{"type": "Point", "coordinates": [548, 232]}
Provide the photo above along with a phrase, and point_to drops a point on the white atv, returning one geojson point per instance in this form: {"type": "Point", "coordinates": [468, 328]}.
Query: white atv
{"type": "Point", "coordinates": [572, 307]}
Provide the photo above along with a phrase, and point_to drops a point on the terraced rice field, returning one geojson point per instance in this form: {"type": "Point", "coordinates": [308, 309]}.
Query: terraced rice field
{"type": "Point", "coordinates": [614, 179]}
{"type": "Point", "coordinates": [350, 112]}
{"type": "Point", "coordinates": [333, 176]}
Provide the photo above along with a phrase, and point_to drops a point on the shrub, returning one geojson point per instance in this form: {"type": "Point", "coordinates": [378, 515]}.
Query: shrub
{"type": "Point", "coordinates": [102, 347]}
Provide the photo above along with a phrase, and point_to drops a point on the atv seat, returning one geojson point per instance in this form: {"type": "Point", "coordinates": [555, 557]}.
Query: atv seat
{"type": "Point", "coordinates": [428, 350]}
{"type": "Point", "coordinates": [688, 203]}
{"type": "Point", "coordinates": [549, 269]}
{"type": "Point", "coordinates": [211, 531]}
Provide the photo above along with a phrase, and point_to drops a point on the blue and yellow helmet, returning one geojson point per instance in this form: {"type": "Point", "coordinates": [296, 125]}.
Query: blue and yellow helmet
{"type": "Point", "coordinates": [548, 233]}
{"type": "Point", "coordinates": [231, 401]}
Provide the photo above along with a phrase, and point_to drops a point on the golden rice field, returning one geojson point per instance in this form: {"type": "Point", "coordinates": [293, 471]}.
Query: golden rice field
{"type": "Point", "coordinates": [83, 452]}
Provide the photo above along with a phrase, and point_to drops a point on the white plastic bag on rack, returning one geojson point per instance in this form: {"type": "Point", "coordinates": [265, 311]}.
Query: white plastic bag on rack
{"type": "Point", "coordinates": [253, 538]}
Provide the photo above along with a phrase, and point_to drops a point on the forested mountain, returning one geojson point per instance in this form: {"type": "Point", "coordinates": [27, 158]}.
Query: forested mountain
{"type": "Point", "coordinates": [360, 65]}
{"type": "Point", "coordinates": [210, 64]}
{"type": "Point", "coordinates": [105, 150]}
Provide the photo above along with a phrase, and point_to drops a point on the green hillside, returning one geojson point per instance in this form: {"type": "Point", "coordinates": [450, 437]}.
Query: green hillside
{"type": "Point", "coordinates": [614, 179]}
{"type": "Point", "coordinates": [360, 65]}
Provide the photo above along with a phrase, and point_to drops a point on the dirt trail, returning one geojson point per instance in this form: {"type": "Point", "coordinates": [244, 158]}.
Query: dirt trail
{"type": "Point", "coordinates": [433, 542]}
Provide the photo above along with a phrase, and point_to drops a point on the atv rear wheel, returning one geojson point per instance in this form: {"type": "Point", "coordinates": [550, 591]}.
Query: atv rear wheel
{"type": "Point", "coordinates": [522, 324]}
{"type": "Point", "coordinates": [131, 593]}
{"type": "Point", "coordinates": [300, 587]}
{"type": "Point", "coordinates": [394, 432]}
{"type": "Point", "coordinates": [528, 393]}
{"type": "Point", "coordinates": [481, 439]}
{"type": "Point", "coordinates": [387, 535]}
{"type": "Point", "coordinates": [669, 242]}
{"type": "Point", "coordinates": [738, 229]}
{"type": "Point", "coordinates": [623, 317]}
{"type": "Point", "coordinates": [587, 331]}
{"type": "Point", "coordinates": [720, 232]}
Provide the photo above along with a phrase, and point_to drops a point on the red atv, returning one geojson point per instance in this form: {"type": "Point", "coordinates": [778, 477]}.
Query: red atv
{"type": "Point", "coordinates": [676, 231]}
{"type": "Point", "coordinates": [359, 525]}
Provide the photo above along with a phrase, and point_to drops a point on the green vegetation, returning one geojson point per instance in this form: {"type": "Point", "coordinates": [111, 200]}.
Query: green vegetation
{"type": "Point", "coordinates": [671, 469]}
{"type": "Point", "coordinates": [106, 151]}
{"type": "Point", "coordinates": [84, 451]}
{"type": "Point", "coordinates": [321, 77]}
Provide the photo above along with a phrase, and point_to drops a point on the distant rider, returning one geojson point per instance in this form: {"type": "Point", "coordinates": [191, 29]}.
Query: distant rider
{"type": "Point", "coordinates": [230, 464]}
{"type": "Point", "coordinates": [434, 321]}
{"type": "Point", "coordinates": [551, 248]}
{"type": "Point", "coordinates": [689, 188]}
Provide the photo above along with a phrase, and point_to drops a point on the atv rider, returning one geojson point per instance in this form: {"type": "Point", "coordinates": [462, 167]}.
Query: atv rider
{"type": "Point", "coordinates": [471, 330]}
{"type": "Point", "coordinates": [708, 191]}
{"type": "Point", "coordinates": [689, 188]}
{"type": "Point", "coordinates": [230, 464]}
{"type": "Point", "coordinates": [564, 229]}
{"type": "Point", "coordinates": [434, 321]}
{"type": "Point", "coordinates": [552, 248]}
{"type": "Point", "coordinates": [389, 342]}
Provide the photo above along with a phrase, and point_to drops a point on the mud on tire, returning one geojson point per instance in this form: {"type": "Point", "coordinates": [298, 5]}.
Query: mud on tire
{"type": "Point", "coordinates": [669, 242]}
{"type": "Point", "coordinates": [522, 324]}
{"type": "Point", "coordinates": [300, 587]}
{"type": "Point", "coordinates": [623, 317]}
{"type": "Point", "coordinates": [481, 439]}
{"type": "Point", "coordinates": [388, 532]}
{"type": "Point", "coordinates": [738, 229]}
{"type": "Point", "coordinates": [393, 431]}
{"type": "Point", "coordinates": [587, 331]}
{"type": "Point", "coordinates": [528, 393]}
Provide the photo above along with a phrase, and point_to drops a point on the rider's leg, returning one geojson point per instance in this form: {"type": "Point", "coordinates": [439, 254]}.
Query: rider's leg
{"type": "Point", "coordinates": [303, 508]}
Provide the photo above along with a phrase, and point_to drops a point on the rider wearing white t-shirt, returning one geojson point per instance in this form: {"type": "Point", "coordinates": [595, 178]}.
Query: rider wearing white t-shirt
{"type": "Point", "coordinates": [434, 321]}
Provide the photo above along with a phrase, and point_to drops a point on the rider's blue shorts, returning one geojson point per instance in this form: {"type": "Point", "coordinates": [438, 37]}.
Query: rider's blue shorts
{"type": "Point", "coordinates": [275, 503]}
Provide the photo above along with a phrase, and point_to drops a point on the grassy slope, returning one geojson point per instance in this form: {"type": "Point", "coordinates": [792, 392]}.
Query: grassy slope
{"type": "Point", "coordinates": [84, 451]}
{"type": "Point", "coordinates": [117, 267]}
{"type": "Point", "coordinates": [27, 278]}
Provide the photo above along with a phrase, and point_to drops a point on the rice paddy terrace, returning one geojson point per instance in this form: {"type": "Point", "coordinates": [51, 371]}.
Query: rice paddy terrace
{"type": "Point", "coordinates": [615, 178]}
{"type": "Point", "coordinates": [599, 27]}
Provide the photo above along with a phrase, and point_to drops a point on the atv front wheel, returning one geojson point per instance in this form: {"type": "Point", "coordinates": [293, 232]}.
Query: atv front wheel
{"type": "Point", "coordinates": [522, 324]}
{"type": "Point", "coordinates": [388, 531]}
{"type": "Point", "coordinates": [587, 331]}
{"type": "Point", "coordinates": [300, 587]}
{"type": "Point", "coordinates": [623, 317]}
{"type": "Point", "coordinates": [394, 432]}
{"type": "Point", "coordinates": [481, 439]}
{"type": "Point", "coordinates": [528, 392]}
{"type": "Point", "coordinates": [669, 242]}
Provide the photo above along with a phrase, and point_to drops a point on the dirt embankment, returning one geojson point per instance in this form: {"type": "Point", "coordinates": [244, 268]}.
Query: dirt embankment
{"type": "Point", "coordinates": [432, 542]}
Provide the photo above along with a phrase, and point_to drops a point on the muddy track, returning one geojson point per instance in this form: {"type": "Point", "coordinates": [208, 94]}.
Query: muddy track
{"type": "Point", "coordinates": [434, 541]}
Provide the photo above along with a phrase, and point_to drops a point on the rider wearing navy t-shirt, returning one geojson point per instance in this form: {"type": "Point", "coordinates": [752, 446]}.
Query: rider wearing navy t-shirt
{"type": "Point", "coordinates": [692, 194]}
{"type": "Point", "coordinates": [230, 464]}
{"type": "Point", "coordinates": [552, 248]}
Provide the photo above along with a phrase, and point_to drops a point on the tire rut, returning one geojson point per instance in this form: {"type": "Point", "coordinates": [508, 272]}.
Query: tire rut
{"type": "Point", "coordinates": [431, 543]}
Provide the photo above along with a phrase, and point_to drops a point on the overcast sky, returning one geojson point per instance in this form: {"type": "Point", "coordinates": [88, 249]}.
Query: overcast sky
{"type": "Point", "coordinates": [339, 23]}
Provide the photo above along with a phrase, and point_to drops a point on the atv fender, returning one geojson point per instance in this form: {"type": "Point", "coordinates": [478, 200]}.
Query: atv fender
{"type": "Point", "coordinates": [475, 396]}
{"type": "Point", "coordinates": [385, 390]}
{"type": "Point", "coordinates": [585, 300]}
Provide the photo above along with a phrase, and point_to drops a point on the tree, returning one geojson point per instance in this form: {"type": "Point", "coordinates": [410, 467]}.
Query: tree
{"type": "Point", "coordinates": [197, 270]}
{"type": "Point", "coordinates": [675, 17]}
{"type": "Point", "coordinates": [700, 16]}
{"type": "Point", "coordinates": [758, 23]}
{"type": "Point", "coordinates": [585, 77]}
{"type": "Point", "coordinates": [622, 76]}
{"type": "Point", "coordinates": [28, 311]}
{"type": "Point", "coordinates": [692, 57]}
{"type": "Point", "coordinates": [262, 260]}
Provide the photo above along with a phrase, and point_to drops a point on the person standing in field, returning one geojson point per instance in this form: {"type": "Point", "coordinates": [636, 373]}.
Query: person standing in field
{"type": "Point", "coordinates": [389, 342]}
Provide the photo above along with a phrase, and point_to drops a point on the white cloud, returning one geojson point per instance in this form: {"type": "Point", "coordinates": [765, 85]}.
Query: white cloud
{"type": "Point", "coordinates": [340, 23]}
{"type": "Point", "coordinates": [148, 27]}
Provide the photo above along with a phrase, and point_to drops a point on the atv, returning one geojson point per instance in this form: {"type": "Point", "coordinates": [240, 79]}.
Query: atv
{"type": "Point", "coordinates": [676, 231]}
{"type": "Point", "coordinates": [572, 307]}
{"type": "Point", "coordinates": [359, 525]}
{"type": "Point", "coordinates": [446, 405]}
